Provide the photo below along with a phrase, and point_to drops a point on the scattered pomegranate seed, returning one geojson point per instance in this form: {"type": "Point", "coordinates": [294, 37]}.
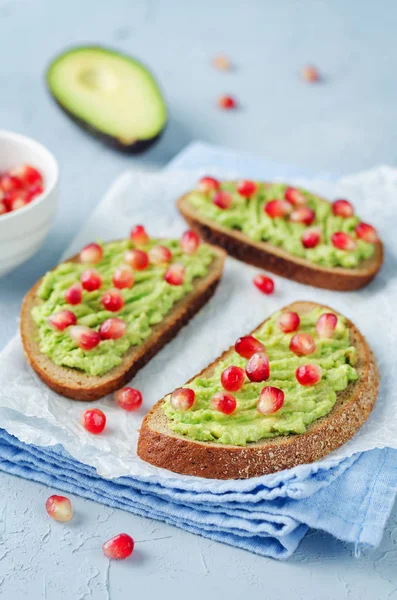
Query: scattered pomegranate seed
{"type": "Point", "coordinates": [224, 402]}
{"type": "Point", "coordinates": [232, 378]}
{"type": "Point", "coordinates": [258, 368]}
{"type": "Point", "coordinates": [270, 400]}
{"type": "Point", "coordinates": [308, 374]}
{"type": "Point", "coordinates": [222, 63]}
{"type": "Point", "coordinates": [264, 284]}
{"type": "Point", "coordinates": [326, 324]}
{"type": "Point", "coordinates": [182, 399]}
{"type": "Point", "coordinates": [367, 233]}
{"type": "Point", "coordinates": [303, 214]}
{"type": "Point", "coordinates": [277, 208]}
{"type": "Point", "coordinates": [28, 175]}
{"type": "Point", "coordinates": [74, 294]}
{"type": "Point", "coordinates": [112, 300]}
{"type": "Point", "coordinates": [295, 196]}
{"type": "Point", "coordinates": [246, 188]}
{"type": "Point", "coordinates": [222, 199]}
{"type": "Point", "coordinates": [311, 237]}
{"type": "Point", "coordinates": [248, 345]}
{"type": "Point", "coordinates": [139, 236]}
{"type": "Point", "coordinates": [288, 321]}
{"type": "Point", "coordinates": [93, 420]}
{"type": "Point", "coordinates": [175, 274]}
{"type": "Point", "coordinates": [119, 547]}
{"type": "Point", "coordinates": [3, 208]}
{"type": "Point", "coordinates": [208, 184]}
{"type": "Point", "coordinates": [112, 329]}
{"type": "Point", "coordinates": [123, 277]}
{"type": "Point", "coordinates": [342, 208]}
{"type": "Point", "coordinates": [59, 508]}
{"type": "Point", "coordinates": [128, 398]}
{"type": "Point", "coordinates": [160, 255]}
{"type": "Point", "coordinates": [310, 74]}
{"type": "Point", "coordinates": [62, 319]}
{"type": "Point", "coordinates": [91, 254]}
{"type": "Point", "coordinates": [302, 344]}
{"type": "Point", "coordinates": [9, 183]}
{"type": "Point", "coordinates": [190, 242]}
{"type": "Point", "coordinates": [138, 259]}
{"type": "Point", "coordinates": [91, 280]}
{"type": "Point", "coordinates": [343, 241]}
{"type": "Point", "coordinates": [227, 102]}
{"type": "Point", "coordinates": [85, 337]}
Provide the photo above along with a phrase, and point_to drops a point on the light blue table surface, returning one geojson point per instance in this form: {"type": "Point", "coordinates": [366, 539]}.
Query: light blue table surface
{"type": "Point", "coordinates": [345, 124]}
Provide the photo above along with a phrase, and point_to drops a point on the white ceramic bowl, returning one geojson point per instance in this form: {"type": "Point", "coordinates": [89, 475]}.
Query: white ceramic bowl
{"type": "Point", "coordinates": [22, 231]}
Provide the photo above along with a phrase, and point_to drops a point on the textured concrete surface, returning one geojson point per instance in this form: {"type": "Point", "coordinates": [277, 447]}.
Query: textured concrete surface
{"type": "Point", "coordinates": [344, 124]}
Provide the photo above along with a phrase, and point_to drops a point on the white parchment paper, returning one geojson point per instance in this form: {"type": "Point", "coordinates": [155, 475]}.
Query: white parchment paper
{"type": "Point", "coordinates": [35, 414]}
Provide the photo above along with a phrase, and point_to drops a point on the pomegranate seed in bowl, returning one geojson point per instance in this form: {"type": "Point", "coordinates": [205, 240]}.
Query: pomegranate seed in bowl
{"type": "Point", "coordinates": [28, 175]}
{"type": "Point", "coordinates": [208, 184]}
{"type": "Point", "coordinates": [59, 508]}
{"type": "Point", "coordinates": [10, 183]}
{"type": "Point", "coordinates": [182, 399]}
{"type": "Point", "coordinates": [270, 400]}
{"type": "Point", "coordinates": [112, 329]}
{"type": "Point", "coordinates": [94, 420]}
{"type": "Point", "coordinates": [342, 208]}
{"type": "Point", "coordinates": [112, 300]}
{"type": "Point", "coordinates": [232, 378]}
{"type": "Point", "coordinates": [246, 188]}
{"type": "Point", "coordinates": [74, 294]}
{"type": "Point", "coordinates": [258, 368]}
{"type": "Point", "coordinates": [3, 208]}
{"type": "Point", "coordinates": [223, 402]}
{"type": "Point", "coordinates": [62, 319]}
{"type": "Point", "coordinates": [137, 259]}
{"type": "Point", "coordinates": [16, 200]}
{"type": "Point", "coordinates": [119, 547]}
{"type": "Point", "coordinates": [123, 277]}
{"type": "Point", "coordinates": [91, 254]}
{"type": "Point", "coordinates": [91, 280]}
{"type": "Point", "coordinates": [160, 255]}
{"type": "Point", "coordinates": [303, 214]}
{"type": "Point", "coordinates": [128, 398]}
{"type": "Point", "coordinates": [85, 337]}
{"type": "Point", "coordinates": [247, 346]}
{"type": "Point", "coordinates": [311, 237]}
{"type": "Point", "coordinates": [175, 274]}
{"type": "Point", "coordinates": [309, 374]}
{"type": "Point", "coordinates": [227, 102]}
{"type": "Point", "coordinates": [302, 344]}
{"type": "Point", "coordinates": [277, 208]}
{"type": "Point", "coordinates": [343, 241]}
{"type": "Point", "coordinates": [264, 284]}
{"type": "Point", "coordinates": [33, 191]}
{"type": "Point", "coordinates": [190, 242]}
{"type": "Point", "coordinates": [367, 233]}
{"type": "Point", "coordinates": [139, 236]}
{"type": "Point", "coordinates": [288, 321]}
{"type": "Point", "coordinates": [222, 199]}
{"type": "Point", "coordinates": [295, 197]}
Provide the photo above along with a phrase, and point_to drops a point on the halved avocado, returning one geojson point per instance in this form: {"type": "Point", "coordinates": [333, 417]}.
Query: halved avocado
{"type": "Point", "coordinates": [111, 95]}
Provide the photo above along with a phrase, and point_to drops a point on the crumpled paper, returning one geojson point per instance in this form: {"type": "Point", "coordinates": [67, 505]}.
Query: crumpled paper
{"type": "Point", "coordinates": [33, 413]}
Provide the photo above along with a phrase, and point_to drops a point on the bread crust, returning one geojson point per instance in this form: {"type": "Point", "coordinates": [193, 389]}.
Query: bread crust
{"type": "Point", "coordinates": [271, 258]}
{"type": "Point", "coordinates": [162, 447]}
{"type": "Point", "coordinates": [77, 385]}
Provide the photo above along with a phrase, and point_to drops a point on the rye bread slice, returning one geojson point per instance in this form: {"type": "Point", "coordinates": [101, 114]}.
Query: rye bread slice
{"type": "Point", "coordinates": [271, 258]}
{"type": "Point", "coordinates": [78, 385]}
{"type": "Point", "coordinates": [160, 446]}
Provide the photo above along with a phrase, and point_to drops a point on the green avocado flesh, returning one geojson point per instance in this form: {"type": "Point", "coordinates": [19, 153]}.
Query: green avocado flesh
{"type": "Point", "coordinates": [249, 217]}
{"type": "Point", "coordinates": [146, 304]}
{"type": "Point", "coordinates": [302, 404]}
{"type": "Point", "coordinates": [108, 93]}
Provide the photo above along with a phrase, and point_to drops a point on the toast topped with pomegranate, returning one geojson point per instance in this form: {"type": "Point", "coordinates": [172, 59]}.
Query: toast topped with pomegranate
{"type": "Point", "coordinates": [90, 324]}
{"type": "Point", "coordinates": [288, 231]}
{"type": "Point", "coordinates": [299, 386]}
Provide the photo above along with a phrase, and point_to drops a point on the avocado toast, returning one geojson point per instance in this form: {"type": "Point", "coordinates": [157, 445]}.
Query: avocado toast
{"type": "Point", "coordinates": [90, 324]}
{"type": "Point", "coordinates": [289, 231]}
{"type": "Point", "coordinates": [299, 386]}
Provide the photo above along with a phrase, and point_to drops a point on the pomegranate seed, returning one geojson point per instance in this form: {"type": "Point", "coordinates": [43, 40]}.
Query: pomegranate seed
{"type": "Point", "coordinates": [18, 201]}
{"type": "Point", "coordinates": [59, 508]}
{"type": "Point", "coordinates": [302, 344]}
{"type": "Point", "coordinates": [343, 241]}
{"type": "Point", "coordinates": [270, 400]}
{"type": "Point", "coordinates": [248, 345]}
{"type": "Point", "coordinates": [175, 274]}
{"type": "Point", "coordinates": [128, 398]}
{"type": "Point", "coordinates": [303, 214]}
{"type": "Point", "coordinates": [93, 420]}
{"type": "Point", "coordinates": [112, 300]}
{"type": "Point", "coordinates": [308, 374]}
{"type": "Point", "coordinates": [222, 63]}
{"type": "Point", "coordinates": [91, 254]}
{"type": "Point", "coordinates": [91, 280]}
{"type": "Point", "coordinates": [367, 233]}
{"type": "Point", "coordinates": [112, 329]}
{"type": "Point", "coordinates": [85, 337]}
{"type": "Point", "coordinates": [62, 319]}
{"type": "Point", "coordinates": [160, 255]}
{"type": "Point", "coordinates": [310, 74]}
{"type": "Point", "coordinates": [288, 321]}
{"type": "Point", "coordinates": [139, 236]}
{"type": "Point", "coordinates": [208, 184]}
{"type": "Point", "coordinates": [9, 183]}
{"type": "Point", "coordinates": [33, 191]}
{"type": "Point", "coordinates": [74, 295]}
{"type": "Point", "coordinates": [311, 237]}
{"type": "Point", "coordinates": [326, 324]}
{"type": "Point", "coordinates": [28, 175]}
{"type": "Point", "coordinates": [258, 368]}
{"type": "Point", "coordinates": [232, 378]}
{"type": "Point", "coordinates": [3, 208]}
{"type": "Point", "coordinates": [123, 277]}
{"type": "Point", "coordinates": [342, 208]}
{"type": "Point", "coordinates": [295, 196]}
{"type": "Point", "coordinates": [264, 284]}
{"type": "Point", "coordinates": [182, 399]}
{"type": "Point", "coordinates": [190, 242]}
{"type": "Point", "coordinates": [224, 402]}
{"type": "Point", "coordinates": [222, 199]}
{"type": "Point", "coordinates": [277, 208]}
{"type": "Point", "coordinates": [119, 547]}
{"type": "Point", "coordinates": [138, 259]}
{"type": "Point", "coordinates": [246, 188]}
{"type": "Point", "coordinates": [227, 102]}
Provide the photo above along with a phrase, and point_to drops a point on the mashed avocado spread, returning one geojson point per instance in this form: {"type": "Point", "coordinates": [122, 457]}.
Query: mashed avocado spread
{"type": "Point", "coordinates": [302, 404]}
{"type": "Point", "coordinates": [248, 216]}
{"type": "Point", "coordinates": [146, 304]}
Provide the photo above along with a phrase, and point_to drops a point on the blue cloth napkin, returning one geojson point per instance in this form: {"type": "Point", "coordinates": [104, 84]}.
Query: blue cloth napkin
{"type": "Point", "coordinates": [269, 515]}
